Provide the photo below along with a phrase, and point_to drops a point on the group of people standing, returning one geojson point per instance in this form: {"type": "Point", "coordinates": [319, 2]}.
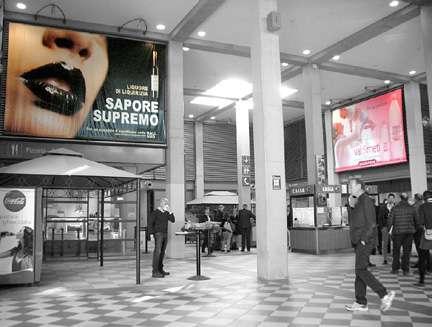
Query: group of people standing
{"type": "Point", "coordinates": [234, 227]}
{"type": "Point", "coordinates": [399, 224]}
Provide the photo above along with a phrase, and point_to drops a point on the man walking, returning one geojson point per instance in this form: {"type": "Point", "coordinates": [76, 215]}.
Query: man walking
{"type": "Point", "coordinates": [403, 226]}
{"type": "Point", "coordinates": [158, 226]}
{"type": "Point", "coordinates": [245, 224]}
{"type": "Point", "coordinates": [362, 223]}
{"type": "Point", "coordinates": [383, 222]}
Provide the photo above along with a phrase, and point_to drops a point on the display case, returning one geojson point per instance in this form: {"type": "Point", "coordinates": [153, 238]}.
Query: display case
{"type": "Point", "coordinates": [317, 227]}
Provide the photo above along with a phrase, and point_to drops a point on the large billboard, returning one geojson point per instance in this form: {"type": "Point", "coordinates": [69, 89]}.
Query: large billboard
{"type": "Point", "coordinates": [369, 133]}
{"type": "Point", "coordinates": [74, 85]}
{"type": "Point", "coordinates": [17, 216]}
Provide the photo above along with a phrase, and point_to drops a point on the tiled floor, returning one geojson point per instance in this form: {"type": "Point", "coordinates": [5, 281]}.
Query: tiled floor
{"type": "Point", "coordinates": [84, 294]}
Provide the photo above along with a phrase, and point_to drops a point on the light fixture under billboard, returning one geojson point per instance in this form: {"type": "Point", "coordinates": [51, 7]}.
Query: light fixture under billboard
{"type": "Point", "coordinates": [369, 133]}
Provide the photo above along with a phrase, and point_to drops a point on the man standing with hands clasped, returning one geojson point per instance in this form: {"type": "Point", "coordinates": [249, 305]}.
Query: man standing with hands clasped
{"type": "Point", "coordinates": [362, 223]}
{"type": "Point", "coordinates": [158, 226]}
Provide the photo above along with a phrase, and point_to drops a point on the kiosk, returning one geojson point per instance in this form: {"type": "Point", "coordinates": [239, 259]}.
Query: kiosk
{"type": "Point", "coordinates": [317, 228]}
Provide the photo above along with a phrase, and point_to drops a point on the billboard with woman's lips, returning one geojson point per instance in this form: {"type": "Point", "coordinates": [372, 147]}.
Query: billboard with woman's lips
{"type": "Point", "coordinates": [75, 85]}
{"type": "Point", "coordinates": [370, 133]}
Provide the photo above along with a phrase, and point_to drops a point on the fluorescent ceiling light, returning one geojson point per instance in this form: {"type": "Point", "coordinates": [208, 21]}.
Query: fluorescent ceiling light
{"type": "Point", "coordinates": [387, 81]}
{"type": "Point", "coordinates": [21, 5]}
{"type": "Point", "coordinates": [336, 57]}
{"type": "Point", "coordinates": [201, 33]}
{"type": "Point", "coordinates": [231, 88]}
{"type": "Point", "coordinates": [286, 91]}
{"type": "Point", "coordinates": [328, 102]}
{"type": "Point", "coordinates": [160, 27]}
{"type": "Point", "coordinates": [412, 72]}
{"type": "Point", "coordinates": [306, 52]}
{"type": "Point", "coordinates": [212, 102]}
{"type": "Point", "coordinates": [394, 3]}
{"type": "Point", "coordinates": [186, 49]}
{"type": "Point", "coordinates": [284, 64]}
{"type": "Point", "coordinates": [191, 116]}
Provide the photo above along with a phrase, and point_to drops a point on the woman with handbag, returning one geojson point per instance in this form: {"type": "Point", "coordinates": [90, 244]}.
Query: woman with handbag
{"type": "Point", "coordinates": [425, 222]}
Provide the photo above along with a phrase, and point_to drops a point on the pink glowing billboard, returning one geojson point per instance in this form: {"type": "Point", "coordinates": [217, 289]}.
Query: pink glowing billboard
{"type": "Point", "coordinates": [369, 133]}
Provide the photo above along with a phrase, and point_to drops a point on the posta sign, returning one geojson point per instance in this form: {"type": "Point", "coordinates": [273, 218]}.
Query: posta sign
{"type": "Point", "coordinates": [14, 201]}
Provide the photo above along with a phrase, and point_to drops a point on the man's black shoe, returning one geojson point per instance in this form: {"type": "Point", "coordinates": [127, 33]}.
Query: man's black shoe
{"type": "Point", "coordinates": [165, 273]}
{"type": "Point", "coordinates": [242, 250]}
{"type": "Point", "coordinates": [370, 264]}
{"type": "Point", "coordinates": [158, 275]}
{"type": "Point", "coordinates": [385, 262]}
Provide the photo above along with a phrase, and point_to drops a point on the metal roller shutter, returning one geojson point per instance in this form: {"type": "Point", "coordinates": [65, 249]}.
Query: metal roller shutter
{"type": "Point", "coordinates": [220, 163]}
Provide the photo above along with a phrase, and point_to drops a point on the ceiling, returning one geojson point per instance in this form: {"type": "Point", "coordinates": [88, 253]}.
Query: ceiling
{"type": "Point", "coordinates": [306, 24]}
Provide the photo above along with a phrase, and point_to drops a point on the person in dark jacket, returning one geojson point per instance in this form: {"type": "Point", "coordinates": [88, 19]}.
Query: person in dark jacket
{"type": "Point", "coordinates": [402, 225]}
{"type": "Point", "coordinates": [383, 222]}
{"type": "Point", "coordinates": [362, 223]}
{"type": "Point", "coordinates": [245, 225]}
{"type": "Point", "coordinates": [418, 200]}
{"type": "Point", "coordinates": [425, 222]}
{"type": "Point", "coordinates": [158, 226]}
{"type": "Point", "coordinates": [221, 217]}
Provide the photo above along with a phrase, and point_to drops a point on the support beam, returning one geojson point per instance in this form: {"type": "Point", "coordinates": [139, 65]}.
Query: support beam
{"type": "Point", "coordinates": [290, 73]}
{"type": "Point", "coordinates": [367, 33]}
{"type": "Point", "coordinates": [218, 47]}
{"type": "Point", "coordinates": [198, 14]}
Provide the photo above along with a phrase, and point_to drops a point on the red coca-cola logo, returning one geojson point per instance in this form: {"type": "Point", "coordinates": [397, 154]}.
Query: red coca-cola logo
{"type": "Point", "coordinates": [14, 201]}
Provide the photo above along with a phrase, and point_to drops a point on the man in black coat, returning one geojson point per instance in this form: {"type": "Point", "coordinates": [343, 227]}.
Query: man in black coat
{"type": "Point", "coordinates": [362, 223]}
{"type": "Point", "coordinates": [158, 226]}
{"type": "Point", "coordinates": [245, 225]}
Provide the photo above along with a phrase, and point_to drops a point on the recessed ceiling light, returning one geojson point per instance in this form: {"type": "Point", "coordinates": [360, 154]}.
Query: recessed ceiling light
{"type": "Point", "coordinates": [387, 81]}
{"type": "Point", "coordinates": [186, 49]}
{"type": "Point", "coordinates": [213, 117]}
{"type": "Point", "coordinates": [284, 64]}
{"type": "Point", "coordinates": [306, 52]}
{"type": "Point", "coordinates": [336, 57]}
{"type": "Point", "coordinates": [160, 27]}
{"type": "Point", "coordinates": [328, 102]}
{"type": "Point", "coordinates": [21, 5]}
{"type": "Point", "coordinates": [211, 102]}
{"type": "Point", "coordinates": [201, 33]}
{"type": "Point", "coordinates": [394, 3]}
{"type": "Point", "coordinates": [286, 91]}
{"type": "Point", "coordinates": [412, 72]}
{"type": "Point", "coordinates": [191, 116]}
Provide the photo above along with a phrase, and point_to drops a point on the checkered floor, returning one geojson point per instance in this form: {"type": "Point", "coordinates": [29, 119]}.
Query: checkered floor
{"type": "Point", "coordinates": [84, 294]}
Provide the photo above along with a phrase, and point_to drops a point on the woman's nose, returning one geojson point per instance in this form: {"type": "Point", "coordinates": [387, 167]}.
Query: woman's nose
{"type": "Point", "coordinates": [76, 42]}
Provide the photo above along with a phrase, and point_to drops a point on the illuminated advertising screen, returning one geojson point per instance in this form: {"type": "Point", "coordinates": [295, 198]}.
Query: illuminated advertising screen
{"type": "Point", "coordinates": [75, 85]}
{"type": "Point", "coordinates": [369, 133]}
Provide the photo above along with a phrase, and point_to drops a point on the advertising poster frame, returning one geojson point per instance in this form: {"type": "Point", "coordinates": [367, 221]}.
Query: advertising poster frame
{"type": "Point", "coordinates": [127, 110]}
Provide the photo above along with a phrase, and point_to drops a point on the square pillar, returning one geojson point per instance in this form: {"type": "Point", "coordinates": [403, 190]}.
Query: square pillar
{"type": "Point", "coordinates": [199, 160]}
{"type": "Point", "coordinates": [426, 27]}
{"type": "Point", "coordinates": [175, 148]}
{"type": "Point", "coordinates": [334, 199]}
{"type": "Point", "coordinates": [417, 159]}
{"type": "Point", "coordinates": [272, 260]}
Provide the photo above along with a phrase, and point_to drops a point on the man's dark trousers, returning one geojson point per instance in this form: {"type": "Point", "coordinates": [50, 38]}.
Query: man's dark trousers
{"type": "Point", "coordinates": [364, 277]}
{"type": "Point", "coordinates": [161, 240]}
{"type": "Point", "coordinates": [246, 237]}
{"type": "Point", "coordinates": [404, 240]}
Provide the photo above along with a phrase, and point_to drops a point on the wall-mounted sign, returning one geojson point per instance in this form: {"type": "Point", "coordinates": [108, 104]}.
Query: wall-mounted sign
{"type": "Point", "coordinates": [301, 190]}
{"type": "Point", "coordinates": [113, 89]}
{"type": "Point", "coordinates": [321, 171]}
{"type": "Point", "coordinates": [329, 188]}
{"type": "Point", "coordinates": [276, 182]}
{"type": "Point", "coordinates": [246, 181]}
{"type": "Point", "coordinates": [245, 170]}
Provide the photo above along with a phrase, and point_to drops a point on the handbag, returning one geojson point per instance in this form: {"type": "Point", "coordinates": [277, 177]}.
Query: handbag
{"type": "Point", "coordinates": [428, 234]}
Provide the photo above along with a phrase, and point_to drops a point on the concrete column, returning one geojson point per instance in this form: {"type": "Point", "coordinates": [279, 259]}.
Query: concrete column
{"type": "Point", "coordinates": [243, 149]}
{"type": "Point", "coordinates": [175, 151]}
{"type": "Point", "coordinates": [426, 27]}
{"type": "Point", "coordinates": [199, 160]}
{"type": "Point", "coordinates": [417, 159]}
{"type": "Point", "coordinates": [271, 228]}
{"type": "Point", "coordinates": [334, 200]}
{"type": "Point", "coordinates": [313, 118]}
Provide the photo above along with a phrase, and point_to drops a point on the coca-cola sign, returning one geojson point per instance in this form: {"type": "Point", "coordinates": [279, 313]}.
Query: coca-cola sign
{"type": "Point", "coordinates": [14, 201]}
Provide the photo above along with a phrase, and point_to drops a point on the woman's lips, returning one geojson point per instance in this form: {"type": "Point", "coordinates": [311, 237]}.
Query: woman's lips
{"type": "Point", "coordinates": [58, 86]}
